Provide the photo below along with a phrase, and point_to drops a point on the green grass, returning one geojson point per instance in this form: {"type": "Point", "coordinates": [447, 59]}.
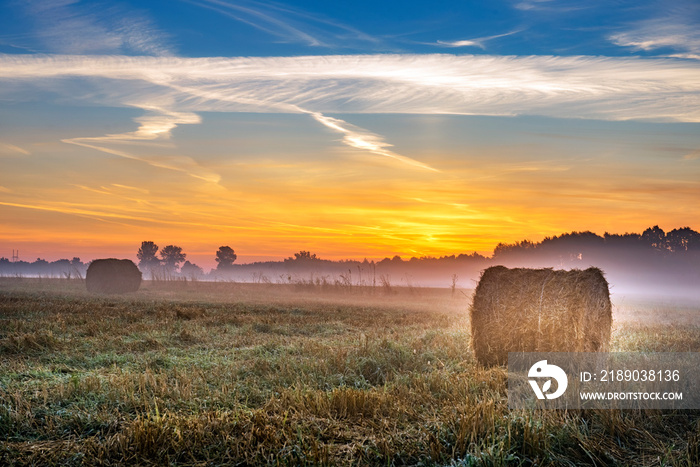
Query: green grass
{"type": "Point", "coordinates": [250, 374]}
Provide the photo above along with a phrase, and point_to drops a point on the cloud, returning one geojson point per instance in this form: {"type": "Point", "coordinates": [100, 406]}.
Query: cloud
{"type": "Point", "coordinates": [569, 87]}
{"type": "Point", "coordinates": [551, 6]}
{"type": "Point", "coordinates": [12, 150]}
{"type": "Point", "coordinates": [131, 188]}
{"type": "Point", "coordinates": [260, 20]}
{"type": "Point", "coordinates": [361, 139]}
{"type": "Point", "coordinates": [286, 23]}
{"type": "Point", "coordinates": [464, 43]}
{"type": "Point", "coordinates": [478, 42]}
{"type": "Point", "coordinates": [529, 4]}
{"type": "Point", "coordinates": [155, 126]}
{"type": "Point", "coordinates": [676, 31]}
{"type": "Point", "coordinates": [104, 213]}
{"type": "Point", "coordinates": [692, 156]}
{"type": "Point", "coordinates": [171, 90]}
{"type": "Point", "coordinates": [68, 26]}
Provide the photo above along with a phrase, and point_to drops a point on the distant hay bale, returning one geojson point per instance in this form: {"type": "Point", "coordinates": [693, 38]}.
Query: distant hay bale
{"type": "Point", "coordinates": [539, 310]}
{"type": "Point", "coordinates": [112, 276]}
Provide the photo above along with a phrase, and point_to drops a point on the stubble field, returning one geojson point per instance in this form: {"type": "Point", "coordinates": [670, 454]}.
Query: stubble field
{"type": "Point", "coordinates": [249, 374]}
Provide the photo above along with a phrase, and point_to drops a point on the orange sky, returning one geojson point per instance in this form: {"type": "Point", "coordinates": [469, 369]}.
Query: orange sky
{"type": "Point", "coordinates": [100, 154]}
{"type": "Point", "coordinates": [343, 204]}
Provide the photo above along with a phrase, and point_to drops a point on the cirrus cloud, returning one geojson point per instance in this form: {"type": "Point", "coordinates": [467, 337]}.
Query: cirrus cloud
{"type": "Point", "coordinates": [563, 87]}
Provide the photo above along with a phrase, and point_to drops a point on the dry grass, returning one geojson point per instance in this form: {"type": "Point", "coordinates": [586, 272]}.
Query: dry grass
{"type": "Point", "coordinates": [236, 374]}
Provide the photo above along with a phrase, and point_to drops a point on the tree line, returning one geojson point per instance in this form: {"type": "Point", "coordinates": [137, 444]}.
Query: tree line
{"type": "Point", "coordinates": [653, 241]}
{"type": "Point", "coordinates": [651, 256]}
{"type": "Point", "coordinates": [172, 256]}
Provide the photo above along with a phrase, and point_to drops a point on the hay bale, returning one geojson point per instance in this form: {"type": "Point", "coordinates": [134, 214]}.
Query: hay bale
{"type": "Point", "coordinates": [112, 276]}
{"type": "Point", "coordinates": [539, 310]}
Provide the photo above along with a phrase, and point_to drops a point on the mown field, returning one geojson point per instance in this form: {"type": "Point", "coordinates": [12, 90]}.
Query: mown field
{"type": "Point", "coordinates": [257, 374]}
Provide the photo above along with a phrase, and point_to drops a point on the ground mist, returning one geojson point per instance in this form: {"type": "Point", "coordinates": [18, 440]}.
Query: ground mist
{"type": "Point", "coordinates": [194, 373]}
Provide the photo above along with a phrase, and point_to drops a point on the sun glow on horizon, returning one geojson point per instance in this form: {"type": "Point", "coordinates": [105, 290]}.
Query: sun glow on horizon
{"type": "Point", "coordinates": [349, 156]}
{"type": "Point", "coordinates": [326, 205]}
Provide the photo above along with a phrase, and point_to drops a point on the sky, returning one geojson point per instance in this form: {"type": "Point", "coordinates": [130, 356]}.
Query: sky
{"type": "Point", "coordinates": [350, 129]}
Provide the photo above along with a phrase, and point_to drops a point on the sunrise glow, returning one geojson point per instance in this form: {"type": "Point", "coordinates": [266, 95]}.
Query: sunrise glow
{"type": "Point", "coordinates": [312, 130]}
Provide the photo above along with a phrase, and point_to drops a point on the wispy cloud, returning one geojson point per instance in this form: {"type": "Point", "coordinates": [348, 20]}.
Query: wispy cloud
{"type": "Point", "coordinates": [570, 87]}
{"type": "Point", "coordinates": [171, 91]}
{"type": "Point", "coordinates": [131, 188]}
{"type": "Point", "coordinates": [479, 42]}
{"type": "Point", "coordinates": [692, 156]}
{"type": "Point", "coordinates": [678, 33]}
{"type": "Point", "coordinates": [550, 5]}
{"type": "Point", "coordinates": [69, 26]}
{"type": "Point", "coordinates": [531, 4]}
{"type": "Point", "coordinates": [287, 24]}
{"type": "Point", "coordinates": [155, 126]}
{"type": "Point", "coordinates": [7, 149]}
{"type": "Point", "coordinates": [463, 43]}
{"type": "Point", "coordinates": [104, 213]}
{"type": "Point", "coordinates": [362, 139]}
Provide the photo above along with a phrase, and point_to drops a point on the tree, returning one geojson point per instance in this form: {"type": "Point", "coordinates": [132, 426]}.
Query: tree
{"type": "Point", "coordinates": [147, 256]}
{"type": "Point", "coordinates": [503, 250]}
{"type": "Point", "coordinates": [172, 256]}
{"type": "Point", "coordinates": [626, 240]}
{"type": "Point", "coordinates": [191, 270]}
{"type": "Point", "coordinates": [685, 239]}
{"type": "Point", "coordinates": [225, 256]}
{"type": "Point", "coordinates": [655, 237]}
{"type": "Point", "coordinates": [303, 256]}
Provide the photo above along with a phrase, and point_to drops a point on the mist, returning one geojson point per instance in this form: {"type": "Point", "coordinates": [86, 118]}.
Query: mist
{"type": "Point", "coordinates": [653, 264]}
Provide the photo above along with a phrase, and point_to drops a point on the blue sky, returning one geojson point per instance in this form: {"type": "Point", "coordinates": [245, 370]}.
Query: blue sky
{"type": "Point", "coordinates": [202, 28]}
{"type": "Point", "coordinates": [351, 128]}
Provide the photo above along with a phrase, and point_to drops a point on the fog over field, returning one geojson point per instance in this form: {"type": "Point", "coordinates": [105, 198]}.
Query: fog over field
{"type": "Point", "coordinates": [189, 372]}
{"type": "Point", "coordinates": [653, 263]}
{"type": "Point", "coordinates": [264, 232]}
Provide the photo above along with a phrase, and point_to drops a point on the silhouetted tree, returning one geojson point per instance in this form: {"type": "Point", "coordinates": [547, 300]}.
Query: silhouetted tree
{"type": "Point", "coordinates": [685, 239]}
{"type": "Point", "coordinates": [191, 270]}
{"type": "Point", "coordinates": [147, 256]}
{"type": "Point", "coordinates": [626, 240]}
{"type": "Point", "coordinates": [506, 249]}
{"type": "Point", "coordinates": [172, 256]}
{"type": "Point", "coordinates": [225, 256]}
{"type": "Point", "coordinates": [655, 237]}
{"type": "Point", "coordinates": [304, 255]}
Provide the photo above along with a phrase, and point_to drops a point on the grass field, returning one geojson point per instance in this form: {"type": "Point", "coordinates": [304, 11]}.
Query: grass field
{"type": "Point", "coordinates": [249, 374]}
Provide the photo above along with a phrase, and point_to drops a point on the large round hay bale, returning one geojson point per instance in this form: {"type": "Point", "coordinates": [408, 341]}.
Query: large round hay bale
{"type": "Point", "coordinates": [112, 276]}
{"type": "Point", "coordinates": [539, 310]}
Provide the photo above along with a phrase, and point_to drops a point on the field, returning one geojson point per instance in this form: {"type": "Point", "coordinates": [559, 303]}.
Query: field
{"type": "Point", "coordinates": [247, 374]}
